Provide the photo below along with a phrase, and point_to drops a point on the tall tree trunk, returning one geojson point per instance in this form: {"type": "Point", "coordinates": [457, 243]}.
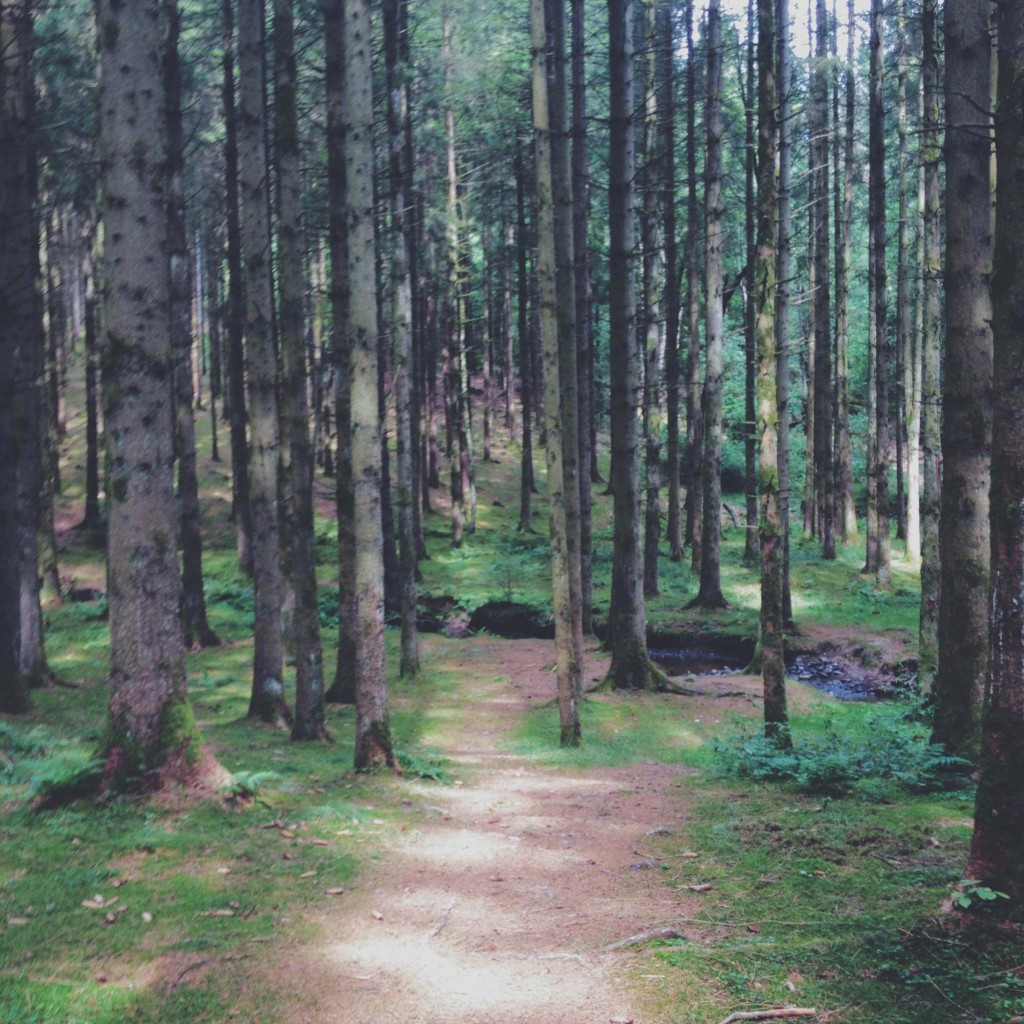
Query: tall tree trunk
{"type": "Point", "coordinates": [526, 483]}
{"type": "Point", "coordinates": [92, 521]}
{"type": "Point", "coordinates": [666, 89]}
{"type": "Point", "coordinates": [297, 448]}
{"type": "Point", "coordinates": [401, 325]}
{"type": "Point", "coordinates": [783, 293]}
{"type": "Point", "coordinates": [568, 634]}
{"type": "Point", "coordinates": [267, 700]}
{"type": "Point", "coordinates": [810, 503]}
{"type": "Point", "coordinates": [584, 319]}
{"type": "Point", "coordinates": [652, 325]}
{"type": "Point", "coordinates": [694, 409]}
{"type": "Point", "coordinates": [631, 668]}
{"type": "Point", "coordinates": [193, 601]}
{"type": "Point", "coordinates": [240, 509]}
{"type": "Point", "coordinates": [151, 736]}
{"type": "Point", "coordinates": [770, 528]}
{"type": "Point", "coordinates": [213, 302]}
{"type": "Point", "coordinates": [22, 659]}
{"type": "Point", "coordinates": [343, 689]}
{"type": "Point", "coordinates": [751, 553]}
{"type": "Point", "coordinates": [846, 512]}
{"type": "Point", "coordinates": [904, 341]}
{"type": "Point", "coordinates": [373, 732]}
{"type": "Point", "coordinates": [710, 593]}
{"type": "Point", "coordinates": [878, 278]}
{"type": "Point", "coordinates": [824, 477]}
{"type": "Point", "coordinates": [999, 810]}
{"type": "Point", "coordinates": [968, 435]}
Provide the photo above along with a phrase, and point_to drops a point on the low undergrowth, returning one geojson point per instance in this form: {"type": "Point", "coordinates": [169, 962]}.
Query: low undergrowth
{"type": "Point", "coordinates": [872, 751]}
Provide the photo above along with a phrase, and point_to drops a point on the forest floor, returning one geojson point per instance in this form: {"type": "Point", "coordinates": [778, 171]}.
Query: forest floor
{"type": "Point", "coordinates": [506, 898]}
{"type": "Point", "coordinates": [672, 870]}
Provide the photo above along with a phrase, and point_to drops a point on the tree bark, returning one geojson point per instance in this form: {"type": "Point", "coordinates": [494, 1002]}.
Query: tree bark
{"type": "Point", "coordinates": [296, 448]}
{"type": "Point", "coordinates": [193, 601]}
{"type": "Point", "coordinates": [240, 510]}
{"type": "Point", "coordinates": [710, 593]}
{"type": "Point", "coordinates": [568, 631]}
{"type": "Point", "coordinates": [999, 810]}
{"type": "Point", "coordinates": [151, 738]}
{"type": "Point", "coordinates": [373, 732]}
{"type": "Point", "coordinates": [694, 410]}
{"type": "Point", "coordinates": [631, 668]}
{"type": "Point", "coordinates": [584, 319]}
{"type": "Point", "coordinates": [343, 689]}
{"type": "Point", "coordinates": [267, 700]}
{"type": "Point", "coordinates": [401, 326]}
{"type": "Point", "coordinates": [879, 277]}
{"type": "Point", "coordinates": [846, 512]}
{"type": "Point", "coordinates": [770, 527]}
{"type": "Point", "coordinates": [963, 549]}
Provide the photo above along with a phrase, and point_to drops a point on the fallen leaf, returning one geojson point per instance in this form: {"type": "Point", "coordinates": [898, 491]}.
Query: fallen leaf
{"type": "Point", "coordinates": [223, 871]}
{"type": "Point", "coordinates": [755, 928]}
{"type": "Point", "coordinates": [704, 887]}
{"type": "Point", "coordinates": [378, 821]}
{"type": "Point", "coordinates": [223, 912]}
{"type": "Point", "coordinates": [689, 855]}
{"type": "Point", "coordinates": [116, 883]}
{"type": "Point", "coordinates": [110, 918]}
{"type": "Point", "coordinates": [620, 1020]}
{"type": "Point", "coordinates": [378, 915]}
{"type": "Point", "coordinates": [336, 891]}
{"type": "Point", "coordinates": [289, 856]}
{"type": "Point", "coordinates": [344, 832]}
{"type": "Point", "coordinates": [101, 978]}
{"type": "Point", "coordinates": [790, 986]}
{"type": "Point", "coordinates": [307, 874]}
{"type": "Point", "coordinates": [287, 834]}
{"type": "Point", "coordinates": [147, 917]}
{"type": "Point", "coordinates": [17, 921]}
{"type": "Point", "coordinates": [321, 842]}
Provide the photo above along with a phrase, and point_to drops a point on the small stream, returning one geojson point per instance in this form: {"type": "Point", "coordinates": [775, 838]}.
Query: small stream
{"type": "Point", "coordinates": [686, 656]}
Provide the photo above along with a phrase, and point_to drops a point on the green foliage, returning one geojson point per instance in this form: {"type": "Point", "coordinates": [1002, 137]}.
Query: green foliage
{"type": "Point", "coordinates": [970, 891]}
{"type": "Point", "coordinates": [424, 765]}
{"type": "Point", "coordinates": [890, 748]}
{"type": "Point", "coordinates": [247, 785]}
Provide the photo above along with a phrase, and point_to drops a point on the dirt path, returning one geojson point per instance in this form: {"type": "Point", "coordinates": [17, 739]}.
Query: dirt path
{"type": "Point", "coordinates": [498, 899]}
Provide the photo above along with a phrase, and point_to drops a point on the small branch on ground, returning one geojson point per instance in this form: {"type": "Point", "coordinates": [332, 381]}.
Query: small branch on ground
{"type": "Point", "coordinates": [789, 1011]}
{"type": "Point", "coordinates": [443, 919]}
{"type": "Point", "coordinates": [655, 933]}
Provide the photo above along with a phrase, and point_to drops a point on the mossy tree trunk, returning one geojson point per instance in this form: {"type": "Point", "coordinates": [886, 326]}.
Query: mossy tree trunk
{"type": "Point", "coordinates": [961, 593]}
{"type": "Point", "coordinates": [373, 733]}
{"type": "Point", "coordinates": [999, 812]}
{"type": "Point", "coordinates": [151, 736]}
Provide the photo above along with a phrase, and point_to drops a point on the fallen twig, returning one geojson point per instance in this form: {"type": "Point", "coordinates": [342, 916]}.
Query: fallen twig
{"type": "Point", "coordinates": [443, 919]}
{"type": "Point", "coordinates": [654, 933]}
{"type": "Point", "coordinates": [788, 1011]}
